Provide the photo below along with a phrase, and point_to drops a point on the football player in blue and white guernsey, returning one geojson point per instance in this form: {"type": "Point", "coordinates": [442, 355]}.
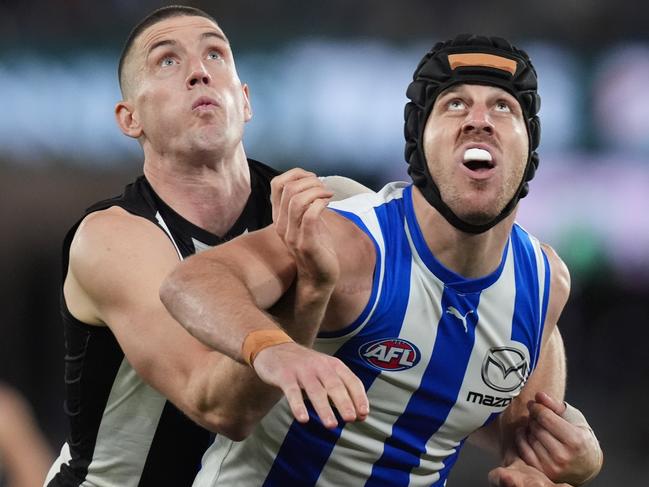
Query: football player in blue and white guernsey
{"type": "Point", "coordinates": [444, 307]}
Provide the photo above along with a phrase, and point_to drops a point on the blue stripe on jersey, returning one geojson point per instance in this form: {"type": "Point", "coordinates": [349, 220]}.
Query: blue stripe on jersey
{"type": "Point", "coordinates": [526, 305]}
{"type": "Point", "coordinates": [292, 466]}
{"type": "Point", "coordinates": [375, 281]}
{"type": "Point", "coordinates": [544, 309]}
{"type": "Point", "coordinates": [430, 405]}
{"type": "Point", "coordinates": [447, 276]}
{"type": "Point", "coordinates": [448, 465]}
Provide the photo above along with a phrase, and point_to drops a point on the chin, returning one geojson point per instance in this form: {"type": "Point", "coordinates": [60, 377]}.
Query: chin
{"type": "Point", "coordinates": [476, 210]}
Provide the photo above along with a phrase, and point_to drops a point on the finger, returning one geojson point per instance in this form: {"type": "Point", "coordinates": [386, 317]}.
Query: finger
{"type": "Point", "coordinates": [278, 182]}
{"type": "Point", "coordinates": [339, 396]}
{"type": "Point", "coordinates": [291, 191]}
{"type": "Point", "coordinates": [298, 206]}
{"type": "Point", "coordinates": [559, 454]}
{"type": "Point", "coordinates": [553, 423]}
{"type": "Point", "coordinates": [295, 400]}
{"type": "Point", "coordinates": [501, 477]}
{"type": "Point", "coordinates": [289, 187]}
{"type": "Point", "coordinates": [525, 450]}
{"type": "Point", "coordinates": [356, 391]}
{"type": "Point", "coordinates": [539, 449]}
{"type": "Point", "coordinates": [312, 223]}
{"type": "Point", "coordinates": [317, 394]}
{"type": "Point", "coordinates": [548, 401]}
{"type": "Point", "coordinates": [313, 214]}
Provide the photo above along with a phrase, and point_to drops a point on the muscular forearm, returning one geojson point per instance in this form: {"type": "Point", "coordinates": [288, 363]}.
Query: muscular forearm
{"type": "Point", "coordinates": [214, 305]}
{"type": "Point", "coordinates": [227, 396]}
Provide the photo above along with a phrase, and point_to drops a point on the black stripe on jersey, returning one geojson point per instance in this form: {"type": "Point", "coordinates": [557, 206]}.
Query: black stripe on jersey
{"type": "Point", "coordinates": [93, 356]}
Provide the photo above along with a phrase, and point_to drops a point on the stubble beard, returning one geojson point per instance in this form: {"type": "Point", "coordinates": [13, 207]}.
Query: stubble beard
{"type": "Point", "coordinates": [482, 211]}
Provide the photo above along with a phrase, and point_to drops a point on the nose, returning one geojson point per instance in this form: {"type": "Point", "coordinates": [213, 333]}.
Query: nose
{"type": "Point", "coordinates": [478, 121]}
{"type": "Point", "coordinates": [198, 76]}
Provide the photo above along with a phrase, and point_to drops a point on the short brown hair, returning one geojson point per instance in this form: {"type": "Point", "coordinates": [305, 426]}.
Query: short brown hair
{"type": "Point", "coordinates": [151, 19]}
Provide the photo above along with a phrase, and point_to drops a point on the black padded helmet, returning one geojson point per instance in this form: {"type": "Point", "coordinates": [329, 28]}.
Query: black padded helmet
{"type": "Point", "coordinates": [475, 60]}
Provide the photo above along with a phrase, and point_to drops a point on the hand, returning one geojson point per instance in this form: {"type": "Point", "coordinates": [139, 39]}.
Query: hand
{"type": "Point", "coordinates": [520, 475]}
{"type": "Point", "coordinates": [299, 199]}
{"type": "Point", "coordinates": [564, 447]}
{"type": "Point", "coordinates": [325, 380]}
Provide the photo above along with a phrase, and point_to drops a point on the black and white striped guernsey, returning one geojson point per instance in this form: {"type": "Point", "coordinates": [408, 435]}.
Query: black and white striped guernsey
{"type": "Point", "coordinates": [123, 433]}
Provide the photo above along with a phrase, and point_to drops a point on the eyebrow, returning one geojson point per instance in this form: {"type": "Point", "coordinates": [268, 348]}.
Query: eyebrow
{"type": "Point", "coordinates": [171, 42]}
{"type": "Point", "coordinates": [218, 35]}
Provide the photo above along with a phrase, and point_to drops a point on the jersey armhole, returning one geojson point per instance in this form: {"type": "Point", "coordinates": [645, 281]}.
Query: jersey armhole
{"type": "Point", "coordinates": [377, 278]}
{"type": "Point", "coordinates": [547, 278]}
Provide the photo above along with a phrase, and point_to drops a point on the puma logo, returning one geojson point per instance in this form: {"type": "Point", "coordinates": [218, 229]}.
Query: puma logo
{"type": "Point", "coordinates": [452, 310]}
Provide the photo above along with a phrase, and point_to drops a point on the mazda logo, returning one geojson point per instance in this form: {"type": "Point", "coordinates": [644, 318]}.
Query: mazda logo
{"type": "Point", "coordinates": [504, 368]}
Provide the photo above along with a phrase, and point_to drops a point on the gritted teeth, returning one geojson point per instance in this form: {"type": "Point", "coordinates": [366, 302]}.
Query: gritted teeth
{"type": "Point", "coordinates": [475, 154]}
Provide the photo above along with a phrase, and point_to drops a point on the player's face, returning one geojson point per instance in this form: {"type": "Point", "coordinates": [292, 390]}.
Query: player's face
{"type": "Point", "coordinates": [476, 147]}
{"type": "Point", "coordinates": [187, 94]}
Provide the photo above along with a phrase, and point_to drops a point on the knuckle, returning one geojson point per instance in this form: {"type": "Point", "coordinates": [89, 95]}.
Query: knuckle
{"type": "Point", "coordinates": [542, 417]}
{"type": "Point", "coordinates": [562, 460]}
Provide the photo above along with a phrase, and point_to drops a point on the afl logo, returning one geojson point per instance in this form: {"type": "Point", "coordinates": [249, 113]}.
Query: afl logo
{"type": "Point", "coordinates": [391, 354]}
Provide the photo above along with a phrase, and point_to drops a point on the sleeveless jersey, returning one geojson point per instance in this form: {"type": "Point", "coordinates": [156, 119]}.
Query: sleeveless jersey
{"type": "Point", "coordinates": [439, 356]}
{"type": "Point", "coordinates": [123, 432]}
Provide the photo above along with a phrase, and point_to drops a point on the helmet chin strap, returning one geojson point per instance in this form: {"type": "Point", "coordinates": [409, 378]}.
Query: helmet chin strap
{"type": "Point", "coordinates": [430, 191]}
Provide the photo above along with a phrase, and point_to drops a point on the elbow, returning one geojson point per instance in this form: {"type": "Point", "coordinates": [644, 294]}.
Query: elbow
{"type": "Point", "coordinates": [237, 426]}
{"type": "Point", "coordinates": [176, 294]}
{"type": "Point", "coordinates": [170, 290]}
{"type": "Point", "coordinates": [235, 430]}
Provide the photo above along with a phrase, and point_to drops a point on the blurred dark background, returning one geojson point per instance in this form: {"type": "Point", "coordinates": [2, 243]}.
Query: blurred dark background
{"type": "Point", "coordinates": [328, 82]}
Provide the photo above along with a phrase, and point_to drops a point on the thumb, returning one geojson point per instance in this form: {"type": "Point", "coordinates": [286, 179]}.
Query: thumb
{"type": "Point", "coordinates": [500, 477]}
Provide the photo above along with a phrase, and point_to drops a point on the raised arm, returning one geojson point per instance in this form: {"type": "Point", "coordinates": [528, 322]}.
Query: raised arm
{"type": "Point", "coordinates": [535, 429]}
{"type": "Point", "coordinates": [115, 281]}
{"type": "Point", "coordinates": [220, 297]}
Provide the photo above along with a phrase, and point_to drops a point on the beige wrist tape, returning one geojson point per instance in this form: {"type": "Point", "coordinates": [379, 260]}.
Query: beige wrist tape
{"type": "Point", "coordinates": [575, 417]}
{"type": "Point", "coordinates": [257, 340]}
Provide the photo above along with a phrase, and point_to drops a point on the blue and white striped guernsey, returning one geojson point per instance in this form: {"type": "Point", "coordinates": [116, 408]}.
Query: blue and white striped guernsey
{"type": "Point", "coordinates": [439, 355]}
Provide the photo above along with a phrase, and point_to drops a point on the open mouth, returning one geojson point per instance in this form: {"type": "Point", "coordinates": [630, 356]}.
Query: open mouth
{"type": "Point", "coordinates": [478, 160]}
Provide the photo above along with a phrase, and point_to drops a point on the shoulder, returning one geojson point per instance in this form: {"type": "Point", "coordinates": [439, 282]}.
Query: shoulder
{"type": "Point", "coordinates": [115, 230]}
{"type": "Point", "coordinates": [112, 247]}
{"type": "Point", "coordinates": [559, 273]}
{"type": "Point", "coordinates": [559, 288]}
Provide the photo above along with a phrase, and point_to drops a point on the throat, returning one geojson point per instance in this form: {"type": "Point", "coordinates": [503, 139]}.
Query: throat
{"type": "Point", "coordinates": [210, 199]}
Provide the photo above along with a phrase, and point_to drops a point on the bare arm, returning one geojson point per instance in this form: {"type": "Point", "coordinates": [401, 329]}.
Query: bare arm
{"type": "Point", "coordinates": [114, 283]}
{"type": "Point", "coordinates": [532, 429]}
{"type": "Point", "coordinates": [219, 296]}
{"type": "Point", "coordinates": [23, 450]}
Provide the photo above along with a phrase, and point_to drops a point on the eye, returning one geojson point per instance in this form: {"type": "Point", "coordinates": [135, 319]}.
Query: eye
{"type": "Point", "coordinates": [167, 61]}
{"type": "Point", "coordinates": [456, 104]}
{"type": "Point", "coordinates": [503, 106]}
{"type": "Point", "coordinates": [214, 55]}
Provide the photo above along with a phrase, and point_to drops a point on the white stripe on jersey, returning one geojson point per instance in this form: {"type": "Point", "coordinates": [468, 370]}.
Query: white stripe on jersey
{"type": "Point", "coordinates": [386, 407]}
{"type": "Point", "coordinates": [486, 318]}
{"type": "Point", "coordinates": [497, 306]}
{"type": "Point", "coordinates": [132, 412]}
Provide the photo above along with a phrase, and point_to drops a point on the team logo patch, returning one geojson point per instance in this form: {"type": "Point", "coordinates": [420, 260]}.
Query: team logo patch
{"type": "Point", "coordinates": [391, 354]}
{"type": "Point", "coordinates": [504, 369]}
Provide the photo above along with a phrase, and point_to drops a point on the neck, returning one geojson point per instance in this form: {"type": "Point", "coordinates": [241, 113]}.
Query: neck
{"type": "Point", "coordinates": [466, 254]}
{"type": "Point", "coordinates": [208, 191]}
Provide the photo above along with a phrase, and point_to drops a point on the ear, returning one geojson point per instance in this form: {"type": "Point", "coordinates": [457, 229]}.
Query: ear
{"type": "Point", "coordinates": [247, 109]}
{"type": "Point", "coordinates": [127, 119]}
